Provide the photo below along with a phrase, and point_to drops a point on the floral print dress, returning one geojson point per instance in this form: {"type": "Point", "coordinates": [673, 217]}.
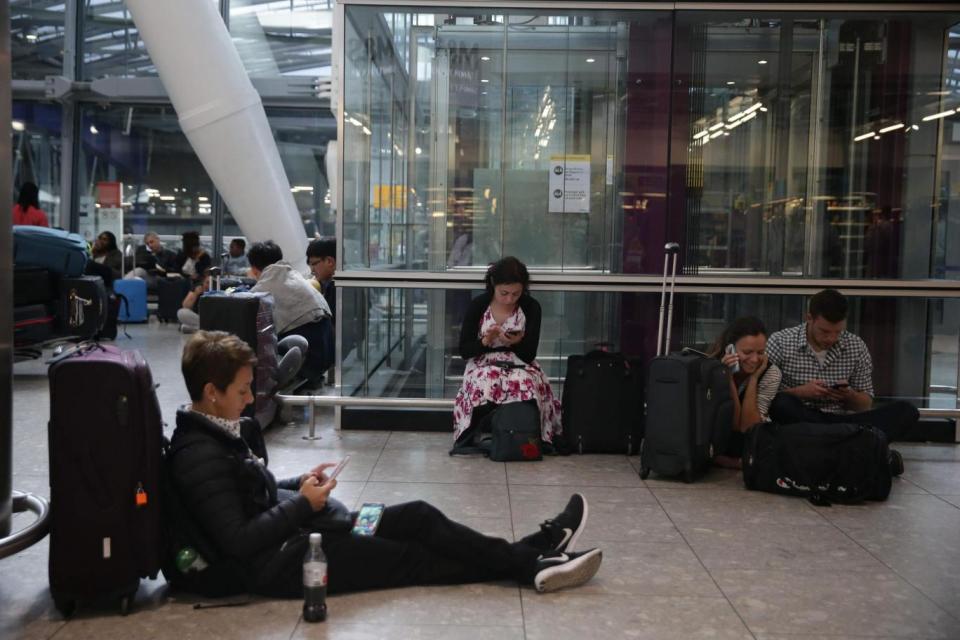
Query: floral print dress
{"type": "Point", "coordinates": [484, 381]}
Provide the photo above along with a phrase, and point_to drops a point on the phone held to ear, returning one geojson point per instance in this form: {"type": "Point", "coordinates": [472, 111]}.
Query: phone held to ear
{"type": "Point", "coordinates": [368, 518]}
{"type": "Point", "coordinates": [730, 350]}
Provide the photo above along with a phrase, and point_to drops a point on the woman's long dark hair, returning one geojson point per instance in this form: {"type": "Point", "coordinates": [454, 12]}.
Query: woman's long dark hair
{"type": "Point", "coordinates": [111, 243]}
{"type": "Point", "coordinates": [739, 328]}
{"type": "Point", "coordinates": [29, 196]}
{"type": "Point", "coordinates": [191, 244]}
{"type": "Point", "coordinates": [507, 270]}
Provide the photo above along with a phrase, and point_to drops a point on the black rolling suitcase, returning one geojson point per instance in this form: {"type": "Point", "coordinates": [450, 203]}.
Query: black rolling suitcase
{"type": "Point", "coordinates": [105, 436]}
{"type": "Point", "coordinates": [170, 295]}
{"type": "Point", "coordinates": [250, 317]}
{"type": "Point", "coordinates": [32, 324]}
{"type": "Point", "coordinates": [689, 409]}
{"type": "Point", "coordinates": [84, 306]}
{"type": "Point", "coordinates": [603, 403]}
{"type": "Point", "coordinates": [33, 285]}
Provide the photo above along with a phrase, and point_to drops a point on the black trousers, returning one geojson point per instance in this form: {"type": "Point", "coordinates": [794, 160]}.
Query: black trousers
{"type": "Point", "coordinates": [320, 355]}
{"type": "Point", "coordinates": [893, 418]}
{"type": "Point", "coordinates": [415, 544]}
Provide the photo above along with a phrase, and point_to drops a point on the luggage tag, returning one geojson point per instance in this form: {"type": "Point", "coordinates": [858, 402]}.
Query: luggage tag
{"type": "Point", "coordinates": [141, 496]}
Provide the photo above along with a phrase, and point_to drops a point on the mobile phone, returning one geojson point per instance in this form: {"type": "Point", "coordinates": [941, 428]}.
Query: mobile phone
{"type": "Point", "coordinates": [735, 368]}
{"type": "Point", "coordinates": [337, 469]}
{"type": "Point", "coordinates": [368, 518]}
{"type": "Point", "coordinates": [840, 385]}
{"type": "Point", "coordinates": [512, 332]}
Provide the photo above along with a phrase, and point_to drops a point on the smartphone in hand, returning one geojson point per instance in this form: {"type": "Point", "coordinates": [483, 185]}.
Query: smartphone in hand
{"type": "Point", "coordinates": [337, 469]}
{"type": "Point", "coordinates": [840, 385]}
{"type": "Point", "coordinates": [730, 350]}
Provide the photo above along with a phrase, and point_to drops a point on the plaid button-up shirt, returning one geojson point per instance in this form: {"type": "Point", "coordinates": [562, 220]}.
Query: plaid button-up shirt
{"type": "Point", "coordinates": [848, 359]}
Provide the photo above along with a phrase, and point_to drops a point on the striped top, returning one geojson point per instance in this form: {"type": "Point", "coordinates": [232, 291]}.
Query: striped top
{"type": "Point", "coordinates": [767, 388]}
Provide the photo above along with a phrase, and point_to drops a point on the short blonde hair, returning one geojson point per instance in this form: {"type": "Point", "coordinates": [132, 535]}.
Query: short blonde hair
{"type": "Point", "coordinates": [215, 357]}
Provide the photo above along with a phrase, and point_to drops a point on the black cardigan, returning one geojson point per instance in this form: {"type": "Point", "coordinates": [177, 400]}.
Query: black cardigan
{"type": "Point", "coordinates": [526, 349]}
{"type": "Point", "coordinates": [234, 499]}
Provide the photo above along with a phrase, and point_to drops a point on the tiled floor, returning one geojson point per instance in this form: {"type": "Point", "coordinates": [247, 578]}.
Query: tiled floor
{"type": "Point", "coordinates": [708, 560]}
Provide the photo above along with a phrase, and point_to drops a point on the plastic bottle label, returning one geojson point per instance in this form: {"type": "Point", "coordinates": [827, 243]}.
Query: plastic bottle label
{"type": "Point", "coordinates": [315, 574]}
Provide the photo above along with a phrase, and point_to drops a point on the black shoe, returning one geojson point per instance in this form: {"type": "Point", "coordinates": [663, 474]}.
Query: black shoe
{"type": "Point", "coordinates": [896, 463]}
{"type": "Point", "coordinates": [558, 570]}
{"type": "Point", "coordinates": [561, 533]}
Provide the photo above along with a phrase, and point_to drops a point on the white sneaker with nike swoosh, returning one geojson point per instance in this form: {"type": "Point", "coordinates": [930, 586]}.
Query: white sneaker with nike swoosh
{"type": "Point", "coordinates": [558, 570]}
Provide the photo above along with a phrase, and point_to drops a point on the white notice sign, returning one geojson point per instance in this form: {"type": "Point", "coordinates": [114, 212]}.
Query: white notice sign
{"type": "Point", "coordinates": [569, 184]}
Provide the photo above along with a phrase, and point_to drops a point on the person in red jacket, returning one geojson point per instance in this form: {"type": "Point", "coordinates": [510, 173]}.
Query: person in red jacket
{"type": "Point", "coordinates": [27, 210]}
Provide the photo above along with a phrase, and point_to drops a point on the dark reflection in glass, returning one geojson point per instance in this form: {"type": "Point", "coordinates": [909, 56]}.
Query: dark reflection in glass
{"type": "Point", "coordinates": [808, 144]}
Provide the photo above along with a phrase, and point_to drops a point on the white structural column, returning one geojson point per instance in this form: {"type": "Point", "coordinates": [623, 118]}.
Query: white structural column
{"type": "Point", "coordinates": [223, 118]}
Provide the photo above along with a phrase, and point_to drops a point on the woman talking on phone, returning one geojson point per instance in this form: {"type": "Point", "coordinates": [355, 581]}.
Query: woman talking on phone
{"type": "Point", "coordinates": [499, 340]}
{"type": "Point", "coordinates": [252, 530]}
{"type": "Point", "coordinates": [742, 347]}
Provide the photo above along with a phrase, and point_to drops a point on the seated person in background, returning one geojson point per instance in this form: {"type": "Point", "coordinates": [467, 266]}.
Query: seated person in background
{"type": "Point", "coordinates": [752, 387]}
{"type": "Point", "coordinates": [503, 326]}
{"type": "Point", "coordinates": [192, 261]}
{"type": "Point", "coordinates": [106, 252]}
{"type": "Point", "coordinates": [322, 259]}
{"type": "Point", "coordinates": [189, 314]}
{"type": "Point", "coordinates": [27, 210]}
{"type": "Point", "coordinates": [256, 524]}
{"type": "Point", "coordinates": [152, 260]}
{"type": "Point", "coordinates": [236, 263]}
{"type": "Point", "coordinates": [828, 375]}
{"type": "Point", "coordinates": [298, 308]}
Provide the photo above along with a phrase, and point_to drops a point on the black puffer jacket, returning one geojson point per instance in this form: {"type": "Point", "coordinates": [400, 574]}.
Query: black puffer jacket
{"type": "Point", "coordinates": [235, 501]}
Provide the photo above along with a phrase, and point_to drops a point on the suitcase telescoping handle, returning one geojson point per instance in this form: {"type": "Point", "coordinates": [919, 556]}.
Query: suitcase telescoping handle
{"type": "Point", "coordinates": [666, 308]}
{"type": "Point", "coordinates": [214, 284]}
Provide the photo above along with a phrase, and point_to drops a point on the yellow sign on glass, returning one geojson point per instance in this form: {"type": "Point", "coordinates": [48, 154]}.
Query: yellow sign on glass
{"type": "Point", "coordinates": [389, 196]}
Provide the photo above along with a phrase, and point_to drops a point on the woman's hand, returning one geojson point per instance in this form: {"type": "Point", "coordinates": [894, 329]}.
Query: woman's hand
{"type": "Point", "coordinates": [512, 337]}
{"type": "Point", "coordinates": [318, 472]}
{"type": "Point", "coordinates": [730, 359]}
{"type": "Point", "coordinates": [492, 334]}
{"type": "Point", "coordinates": [316, 492]}
{"type": "Point", "coordinates": [764, 363]}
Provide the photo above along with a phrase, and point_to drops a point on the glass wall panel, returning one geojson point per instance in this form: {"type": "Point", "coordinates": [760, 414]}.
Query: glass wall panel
{"type": "Point", "coordinates": [302, 136]}
{"type": "Point", "coordinates": [111, 45]}
{"type": "Point", "coordinates": [165, 188]}
{"type": "Point", "coordinates": [468, 136]}
{"type": "Point", "coordinates": [36, 153]}
{"type": "Point", "coordinates": [289, 38]}
{"type": "Point", "coordinates": [404, 342]}
{"type": "Point", "coordinates": [810, 142]}
{"type": "Point", "coordinates": [36, 38]}
{"type": "Point", "coordinates": [946, 250]}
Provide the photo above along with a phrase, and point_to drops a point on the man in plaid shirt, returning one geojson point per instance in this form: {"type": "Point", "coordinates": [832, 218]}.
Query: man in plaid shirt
{"type": "Point", "coordinates": [828, 373]}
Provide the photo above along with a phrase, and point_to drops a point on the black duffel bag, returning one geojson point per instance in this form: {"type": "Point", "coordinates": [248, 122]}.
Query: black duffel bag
{"type": "Point", "coordinates": [826, 463]}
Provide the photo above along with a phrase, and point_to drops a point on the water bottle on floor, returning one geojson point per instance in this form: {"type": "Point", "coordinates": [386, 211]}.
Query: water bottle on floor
{"type": "Point", "coordinates": [315, 582]}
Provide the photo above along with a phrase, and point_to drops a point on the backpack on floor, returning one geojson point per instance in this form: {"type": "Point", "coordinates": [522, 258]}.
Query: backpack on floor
{"type": "Point", "coordinates": [826, 463]}
{"type": "Point", "coordinates": [508, 433]}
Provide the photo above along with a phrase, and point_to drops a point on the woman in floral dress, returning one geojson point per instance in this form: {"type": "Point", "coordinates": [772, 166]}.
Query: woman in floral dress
{"type": "Point", "coordinates": [502, 327]}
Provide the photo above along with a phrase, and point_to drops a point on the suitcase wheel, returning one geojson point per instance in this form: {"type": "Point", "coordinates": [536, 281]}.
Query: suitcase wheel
{"type": "Point", "coordinates": [65, 606]}
{"type": "Point", "coordinates": [125, 603]}
{"type": "Point", "coordinates": [644, 473]}
{"type": "Point", "coordinates": [688, 475]}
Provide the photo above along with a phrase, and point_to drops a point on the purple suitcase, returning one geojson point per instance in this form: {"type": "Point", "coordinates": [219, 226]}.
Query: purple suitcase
{"type": "Point", "coordinates": [105, 436]}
